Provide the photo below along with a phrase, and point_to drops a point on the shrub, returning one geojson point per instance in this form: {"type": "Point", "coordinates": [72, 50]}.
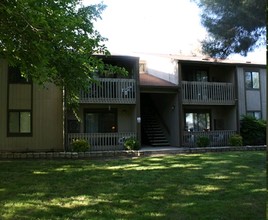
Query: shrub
{"type": "Point", "coordinates": [253, 131]}
{"type": "Point", "coordinates": [236, 140]}
{"type": "Point", "coordinates": [203, 141]}
{"type": "Point", "coordinates": [80, 145]}
{"type": "Point", "coordinates": [131, 144]}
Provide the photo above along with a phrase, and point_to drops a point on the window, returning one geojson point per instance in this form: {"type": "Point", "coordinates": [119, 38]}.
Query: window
{"type": "Point", "coordinates": [101, 121]}
{"type": "Point", "coordinates": [201, 76]}
{"type": "Point", "coordinates": [196, 121]}
{"type": "Point", "coordinates": [19, 122]}
{"type": "Point", "coordinates": [14, 76]}
{"type": "Point", "coordinates": [255, 114]}
{"type": "Point", "coordinates": [19, 102]}
{"type": "Point", "coordinates": [142, 66]}
{"type": "Point", "coordinates": [252, 80]}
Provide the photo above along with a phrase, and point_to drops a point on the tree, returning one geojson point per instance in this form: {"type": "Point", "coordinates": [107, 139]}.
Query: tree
{"type": "Point", "coordinates": [52, 41]}
{"type": "Point", "coordinates": [234, 26]}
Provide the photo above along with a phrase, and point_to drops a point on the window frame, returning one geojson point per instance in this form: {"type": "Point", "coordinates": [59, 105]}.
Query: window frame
{"type": "Point", "coordinates": [23, 81]}
{"type": "Point", "coordinates": [14, 76]}
{"type": "Point", "coordinates": [19, 133]}
{"type": "Point", "coordinates": [200, 77]}
{"type": "Point", "coordinates": [101, 111]}
{"type": "Point", "coordinates": [142, 66]}
{"type": "Point", "coordinates": [198, 112]}
{"type": "Point", "coordinates": [191, 73]}
{"type": "Point", "coordinates": [252, 113]}
{"type": "Point", "coordinates": [251, 83]}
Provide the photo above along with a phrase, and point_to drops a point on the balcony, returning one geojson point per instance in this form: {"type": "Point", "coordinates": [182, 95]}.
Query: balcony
{"type": "Point", "coordinates": [217, 138]}
{"type": "Point", "coordinates": [102, 141]}
{"type": "Point", "coordinates": [112, 91]}
{"type": "Point", "coordinates": [210, 93]}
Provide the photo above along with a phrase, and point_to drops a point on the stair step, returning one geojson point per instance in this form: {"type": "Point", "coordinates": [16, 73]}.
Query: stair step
{"type": "Point", "coordinates": [157, 132]}
{"type": "Point", "coordinates": [153, 129]}
{"type": "Point", "coordinates": [160, 138]}
{"type": "Point", "coordinates": [159, 141]}
{"type": "Point", "coordinates": [160, 144]}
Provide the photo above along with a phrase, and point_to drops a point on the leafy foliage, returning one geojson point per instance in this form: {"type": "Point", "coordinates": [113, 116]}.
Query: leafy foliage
{"type": "Point", "coordinates": [53, 41]}
{"type": "Point", "coordinates": [203, 141]}
{"type": "Point", "coordinates": [236, 140]}
{"type": "Point", "coordinates": [234, 26]}
{"type": "Point", "coordinates": [131, 144]}
{"type": "Point", "coordinates": [80, 145]}
{"type": "Point", "coordinates": [253, 131]}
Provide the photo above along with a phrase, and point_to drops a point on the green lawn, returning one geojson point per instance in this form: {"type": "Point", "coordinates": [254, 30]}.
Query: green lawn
{"type": "Point", "coordinates": [214, 186]}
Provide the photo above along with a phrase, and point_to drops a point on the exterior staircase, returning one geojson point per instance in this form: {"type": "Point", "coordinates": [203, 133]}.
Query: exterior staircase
{"type": "Point", "coordinates": [153, 130]}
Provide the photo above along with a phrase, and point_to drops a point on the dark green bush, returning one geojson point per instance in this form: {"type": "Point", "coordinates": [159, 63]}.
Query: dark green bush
{"type": "Point", "coordinates": [131, 144]}
{"type": "Point", "coordinates": [80, 145]}
{"type": "Point", "coordinates": [203, 141]}
{"type": "Point", "coordinates": [236, 140]}
{"type": "Point", "coordinates": [253, 131]}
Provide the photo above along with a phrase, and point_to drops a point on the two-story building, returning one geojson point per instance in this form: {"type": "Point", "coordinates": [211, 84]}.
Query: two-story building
{"type": "Point", "coordinates": [166, 100]}
{"type": "Point", "coordinates": [109, 109]}
{"type": "Point", "coordinates": [183, 98]}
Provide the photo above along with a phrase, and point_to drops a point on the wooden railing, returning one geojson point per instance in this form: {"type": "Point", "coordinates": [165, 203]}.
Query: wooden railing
{"type": "Point", "coordinates": [102, 141]}
{"type": "Point", "coordinates": [107, 90]}
{"type": "Point", "coordinates": [217, 138]}
{"type": "Point", "coordinates": [207, 93]}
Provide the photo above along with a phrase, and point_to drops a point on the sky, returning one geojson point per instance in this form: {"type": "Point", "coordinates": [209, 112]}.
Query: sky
{"type": "Point", "coordinates": [156, 26]}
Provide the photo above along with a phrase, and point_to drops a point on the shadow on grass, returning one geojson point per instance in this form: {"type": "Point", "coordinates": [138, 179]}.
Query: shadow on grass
{"type": "Point", "coordinates": [200, 186]}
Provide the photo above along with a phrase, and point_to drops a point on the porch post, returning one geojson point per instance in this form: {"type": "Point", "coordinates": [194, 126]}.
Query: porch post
{"type": "Point", "coordinates": [138, 106]}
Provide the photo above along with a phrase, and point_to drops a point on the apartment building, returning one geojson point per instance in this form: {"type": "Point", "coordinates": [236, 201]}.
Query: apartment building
{"type": "Point", "coordinates": [199, 96]}
{"type": "Point", "coordinates": [166, 100]}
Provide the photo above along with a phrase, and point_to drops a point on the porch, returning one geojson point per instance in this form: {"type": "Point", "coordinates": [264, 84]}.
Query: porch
{"type": "Point", "coordinates": [102, 141]}
{"type": "Point", "coordinates": [210, 93]}
{"type": "Point", "coordinates": [217, 138]}
{"type": "Point", "coordinates": [110, 90]}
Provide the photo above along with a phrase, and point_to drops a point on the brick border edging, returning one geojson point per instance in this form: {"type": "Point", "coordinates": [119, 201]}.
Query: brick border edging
{"type": "Point", "coordinates": [123, 153]}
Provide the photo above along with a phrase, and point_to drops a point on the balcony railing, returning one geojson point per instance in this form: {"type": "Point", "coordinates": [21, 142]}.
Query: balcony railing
{"type": "Point", "coordinates": [110, 91]}
{"type": "Point", "coordinates": [207, 93]}
{"type": "Point", "coordinates": [217, 138]}
{"type": "Point", "coordinates": [102, 141]}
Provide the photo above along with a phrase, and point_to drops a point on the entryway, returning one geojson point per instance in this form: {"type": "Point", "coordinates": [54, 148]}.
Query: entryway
{"type": "Point", "coordinates": [157, 113]}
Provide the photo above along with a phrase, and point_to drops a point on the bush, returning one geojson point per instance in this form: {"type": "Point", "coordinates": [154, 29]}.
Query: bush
{"type": "Point", "coordinates": [131, 144]}
{"type": "Point", "coordinates": [236, 140]}
{"type": "Point", "coordinates": [253, 131]}
{"type": "Point", "coordinates": [203, 141]}
{"type": "Point", "coordinates": [80, 145]}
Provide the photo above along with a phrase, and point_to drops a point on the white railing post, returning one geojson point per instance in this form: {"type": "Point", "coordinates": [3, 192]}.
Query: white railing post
{"type": "Point", "coordinates": [217, 138]}
{"type": "Point", "coordinates": [110, 91]}
{"type": "Point", "coordinates": [207, 92]}
{"type": "Point", "coordinates": [102, 141]}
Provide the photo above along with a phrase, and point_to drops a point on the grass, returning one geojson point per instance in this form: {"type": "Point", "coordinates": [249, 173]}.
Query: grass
{"type": "Point", "coordinates": [229, 185]}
